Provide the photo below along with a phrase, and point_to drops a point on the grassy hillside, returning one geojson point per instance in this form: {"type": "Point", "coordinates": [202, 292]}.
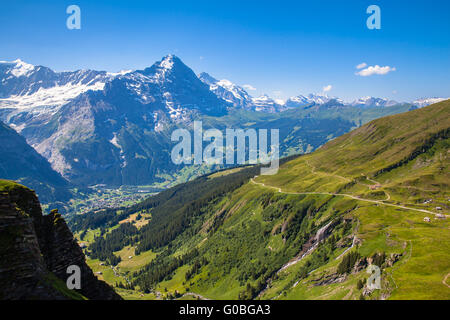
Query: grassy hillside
{"type": "Point", "coordinates": [378, 195]}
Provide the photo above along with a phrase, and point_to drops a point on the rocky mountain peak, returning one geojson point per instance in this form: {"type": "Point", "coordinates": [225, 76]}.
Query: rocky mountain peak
{"type": "Point", "coordinates": [374, 102]}
{"type": "Point", "coordinates": [18, 68]}
{"type": "Point", "coordinates": [207, 78]}
{"type": "Point", "coordinates": [168, 65]}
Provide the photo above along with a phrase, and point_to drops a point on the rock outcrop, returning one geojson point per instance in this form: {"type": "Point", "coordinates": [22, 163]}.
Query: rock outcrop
{"type": "Point", "coordinates": [36, 251]}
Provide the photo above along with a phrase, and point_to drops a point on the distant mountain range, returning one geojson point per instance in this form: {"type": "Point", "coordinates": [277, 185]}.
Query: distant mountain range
{"type": "Point", "coordinates": [240, 98]}
{"type": "Point", "coordinates": [114, 128]}
{"type": "Point", "coordinates": [27, 86]}
{"type": "Point", "coordinates": [99, 126]}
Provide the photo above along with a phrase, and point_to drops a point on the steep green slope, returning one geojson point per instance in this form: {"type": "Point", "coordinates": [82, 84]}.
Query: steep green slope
{"type": "Point", "coordinates": [377, 195]}
{"type": "Point", "coordinates": [20, 162]}
{"type": "Point", "coordinates": [405, 151]}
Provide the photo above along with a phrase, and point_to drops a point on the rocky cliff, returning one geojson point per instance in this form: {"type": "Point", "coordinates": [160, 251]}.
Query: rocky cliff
{"type": "Point", "coordinates": [36, 250]}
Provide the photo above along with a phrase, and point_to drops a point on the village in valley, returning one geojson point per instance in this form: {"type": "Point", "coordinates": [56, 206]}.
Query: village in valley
{"type": "Point", "coordinates": [103, 197]}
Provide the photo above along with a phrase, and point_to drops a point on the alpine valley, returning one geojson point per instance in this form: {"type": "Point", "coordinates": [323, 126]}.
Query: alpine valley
{"type": "Point", "coordinates": [112, 131]}
{"type": "Point", "coordinates": [361, 183]}
{"type": "Point", "coordinates": [377, 196]}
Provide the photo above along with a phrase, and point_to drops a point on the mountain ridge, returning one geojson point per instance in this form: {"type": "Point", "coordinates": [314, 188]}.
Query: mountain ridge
{"type": "Point", "coordinates": [237, 95]}
{"type": "Point", "coordinates": [20, 162]}
{"type": "Point", "coordinates": [96, 127]}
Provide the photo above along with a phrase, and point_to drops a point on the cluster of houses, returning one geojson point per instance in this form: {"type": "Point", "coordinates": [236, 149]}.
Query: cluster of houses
{"type": "Point", "coordinates": [111, 202]}
{"type": "Point", "coordinates": [437, 215]}
{"type": "Point", "coordinates": [375, 186]}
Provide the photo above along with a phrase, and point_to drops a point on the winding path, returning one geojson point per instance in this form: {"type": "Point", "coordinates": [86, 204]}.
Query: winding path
{"type": "Point", "coordinates": [313, 170]}
{"type": "Point", "coordinates": [346, 195]}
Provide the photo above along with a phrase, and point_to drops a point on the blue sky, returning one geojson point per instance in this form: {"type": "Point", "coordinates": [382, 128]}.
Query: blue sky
{"type": "Point", "coordinates": [282, 48]}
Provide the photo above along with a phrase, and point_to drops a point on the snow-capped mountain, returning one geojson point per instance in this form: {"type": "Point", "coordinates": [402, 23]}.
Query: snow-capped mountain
{"type": "Point", "coordinates": [102, 127]}
{"type": "Point", "coordinates": [17, 68]}
{"type": "Point", "coordinates": [26, 86]}
{"type": "Point", "coordinates": [173, 84]}
{"type": "Point", "coordinates": [373, 102]}
{"type": "Point", "coordinates": [239, 97]}
{"type": "Point", "coordinates": [113, 128]}
{"type": "Point", "coordinates": [312, 100]}
{"type": "Point", "coordinates": [227, 91]}
{"type": "Point", "coordinates": [322, 99]}
{"type": "Point", "coordinates": [266, 104]}
{"type": "Point", "coordinates": [427, 101]}
{"type": "Point", "coordinates": [298, 101]}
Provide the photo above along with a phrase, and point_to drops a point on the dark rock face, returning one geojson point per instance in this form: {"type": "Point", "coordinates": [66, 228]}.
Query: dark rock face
{"type": "Point", "coordinates": [21, 266]}
{"type": "Point", "coordinates": [329, 279]}
{"type": "Point", "coordinates": [36, 250]}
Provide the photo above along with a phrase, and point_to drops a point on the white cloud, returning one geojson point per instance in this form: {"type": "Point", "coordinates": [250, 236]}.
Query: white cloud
{"type": "Point", "coordinates": [361, 65]}
{"type": "Point", "coordinates": [371, 70]}
{"type": "Point", "coordinates": [249, 87]}
{"type": "Point", "coordinates": [327, 88]}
